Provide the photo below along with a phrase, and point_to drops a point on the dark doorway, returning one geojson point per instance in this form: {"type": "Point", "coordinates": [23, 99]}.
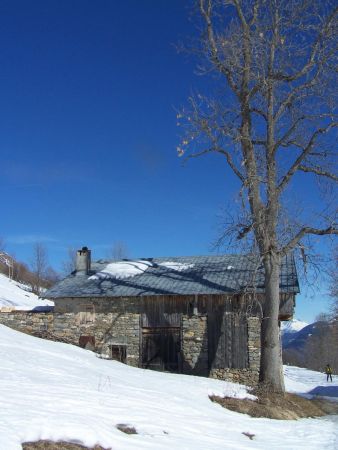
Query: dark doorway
{"type": "Point", "coordinates": [118, 353]}
{"type": "Point", "coordinates": [161, 349]}
{"type": "Point", "coordinates": [87, 342]}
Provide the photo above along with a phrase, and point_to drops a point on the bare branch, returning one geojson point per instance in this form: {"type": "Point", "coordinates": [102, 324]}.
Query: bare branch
{"type": "Point", "coordinates": [307, 230]}
{"type": "Point", "coordinates": [259, 112]}
{"type": "Point", "coordinates": [294, 93]}
{"type": "Point", "coordinates": [259, 142]}
{"type": "Point", "coordinates": [318, 171]}
{"type": "Point", "coordinates": [231, 164]}
{"type": "Point", "coordinates": [244, 231]}
{"type": "Point", "coordinates": [289, 132]}
{"type": "Point", "coordinates": [306, 150]}
{"type": "Point", "coordinates": [255, 13]}
{"type": "Point", "coordinates": [314, 51]}
{"type": "Point", "coordinates": [221, 151]}
{"type": "Point", "coordinates": [241, 15]}
{"type": "Point", "coordinates": [206, 13]}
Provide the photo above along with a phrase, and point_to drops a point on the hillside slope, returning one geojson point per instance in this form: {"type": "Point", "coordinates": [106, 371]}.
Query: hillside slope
{"type": "Point", "coordinates": [56, 391]}
{"type": "Point", "coordinates": [290, 328]}
{"type": "Point", "coordinates": [17, 296]}
{"type": "Point", "coordinates": [298, 340]}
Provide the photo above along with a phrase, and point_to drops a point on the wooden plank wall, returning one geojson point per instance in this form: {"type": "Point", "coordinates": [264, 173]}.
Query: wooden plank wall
{"type": "Point", "coordinates": [228, 340]}
{"type": "Point", "coordinates": [227, 323]}
{"type": "Point", "coordinates": [164, 311]}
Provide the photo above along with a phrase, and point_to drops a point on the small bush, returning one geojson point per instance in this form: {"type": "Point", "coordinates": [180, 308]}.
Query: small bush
{"type": "Point", "coordinates": [128, 429]}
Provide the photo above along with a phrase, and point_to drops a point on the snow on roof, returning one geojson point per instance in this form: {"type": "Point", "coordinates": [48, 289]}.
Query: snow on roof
{"type": "Point", "coordinates": [121, 270]}
{"type": "Point", "coordinates": [213, 274]}
{"type": "Point", "coordinates": [176, 265]}
{"type": "Point", "coordinates": [127, 269]}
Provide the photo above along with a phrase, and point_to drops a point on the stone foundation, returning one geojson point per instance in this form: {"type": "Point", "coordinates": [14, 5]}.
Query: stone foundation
{"type": "Point", "coordinates": [243, 376]}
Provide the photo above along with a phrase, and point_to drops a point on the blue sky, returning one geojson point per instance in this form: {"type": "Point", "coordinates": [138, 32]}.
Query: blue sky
{"type": "Point", "coordinates": [88, 134]}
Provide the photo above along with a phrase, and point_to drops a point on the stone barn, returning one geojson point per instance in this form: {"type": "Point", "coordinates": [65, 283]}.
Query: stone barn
{"type": "Point", "coordinates": [195, 315]}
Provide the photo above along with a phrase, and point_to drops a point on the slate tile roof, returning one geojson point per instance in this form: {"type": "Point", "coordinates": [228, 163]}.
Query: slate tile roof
{"type": "Point", "coordinates": [218, 274]}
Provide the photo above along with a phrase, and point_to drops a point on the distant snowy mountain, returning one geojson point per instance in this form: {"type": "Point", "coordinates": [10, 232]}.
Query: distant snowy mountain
{"type": "Point", "coordinates": [290, 330]}
{"type": "Point", "coordinates": [15, 295]}
{"type": "Point", "coordinates": [297, 340]}
{"type": "Point", "coordinates": [293, 326]}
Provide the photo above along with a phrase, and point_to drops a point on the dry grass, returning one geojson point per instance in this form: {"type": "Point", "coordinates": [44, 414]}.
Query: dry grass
{"type": "Point", "coordinates": [278, 406]}
{"type": "Point", "coordinates": [128, 429]}
{"type": "Point", "coordinates": [61, 445]}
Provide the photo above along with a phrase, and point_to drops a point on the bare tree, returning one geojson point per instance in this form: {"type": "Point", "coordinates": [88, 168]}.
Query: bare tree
{"type": "Point", "coordinates": [2, 244]}
{"type": "Point", "coordinates": [322, 317]}
{"type": "Point", "coordinates": [69, 264]}
{"type": "Point", "coordinates": [333, 280]}
{"type": "Point", "coordinates": [6, 260]}
{"type": "Point", "coordinates": [321, 348]}
{"type": "Point", "coordinates": [118, 251]}
{"type": "Point", "coordinates": [39, 267]}
{"type": "Point", "coordinates": [334, 295]}
{"type": "Point", "coordinates": [50, 277]}
{"type": "Point", "coordinates": [271, 117]}
{"type": "Point", "coordinates": [20, 271]}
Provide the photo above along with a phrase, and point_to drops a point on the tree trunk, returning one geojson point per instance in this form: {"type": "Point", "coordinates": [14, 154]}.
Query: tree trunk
{"type": "Point", "coordinates": [271, 368]}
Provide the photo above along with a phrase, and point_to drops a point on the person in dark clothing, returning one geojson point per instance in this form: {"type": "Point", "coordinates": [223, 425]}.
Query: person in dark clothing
{"type": "Point", "coordinates": [328, 371]}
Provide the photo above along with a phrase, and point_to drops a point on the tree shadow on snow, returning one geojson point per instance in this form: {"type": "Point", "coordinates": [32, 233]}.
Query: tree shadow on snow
{"type": "Point", "coordinates": [325, 391]}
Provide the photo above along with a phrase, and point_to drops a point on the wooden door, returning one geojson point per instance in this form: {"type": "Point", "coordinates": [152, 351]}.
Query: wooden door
{"type": "Point", "coordinates": [161, 349]}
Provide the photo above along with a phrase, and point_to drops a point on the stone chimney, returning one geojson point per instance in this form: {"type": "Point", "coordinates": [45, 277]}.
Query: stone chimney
{"type": "Point", "coordinates": [83, 261]}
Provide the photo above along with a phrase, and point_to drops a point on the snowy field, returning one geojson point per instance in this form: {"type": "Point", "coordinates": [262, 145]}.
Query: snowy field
{"type": "Point", "coordinates": [57, 391]}
{"type": "Point", "coordinates": [17, 296]}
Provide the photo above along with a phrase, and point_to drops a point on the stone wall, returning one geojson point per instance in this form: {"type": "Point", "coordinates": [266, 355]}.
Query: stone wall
{"type": "Point", "coordinates": [121, 327]}
{"type": "Point", "coordinates": [195, 345]}
{"type": "Point", "coordinates": [107, 329]}
{"type": "Point", "coordinates": [250, 375]}
{"type": "Point", "coordinates": [254, 343]}
{"type": "Point", "coordinates": [28, 322]}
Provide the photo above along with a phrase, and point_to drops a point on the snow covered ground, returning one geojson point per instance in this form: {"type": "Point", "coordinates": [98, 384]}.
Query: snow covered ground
{"type": "Point", "coordinates": [310, 383]}
{"type": "Point", "coordinates": [17, 296]}
{"type": "Point", "coordinates": [56, 391]}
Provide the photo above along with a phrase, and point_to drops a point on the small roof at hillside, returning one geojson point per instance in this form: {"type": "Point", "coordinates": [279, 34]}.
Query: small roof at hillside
{"type": "Point", "coordinates": [221, 274]}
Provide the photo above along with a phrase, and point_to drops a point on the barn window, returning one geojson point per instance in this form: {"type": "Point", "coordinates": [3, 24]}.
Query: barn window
{"type": "Point", "coordinates": [87, 315]}
{"type": "Point", "coordinates": [118, 353]}
{"type": "Point", "coordinates": [87, 342]}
